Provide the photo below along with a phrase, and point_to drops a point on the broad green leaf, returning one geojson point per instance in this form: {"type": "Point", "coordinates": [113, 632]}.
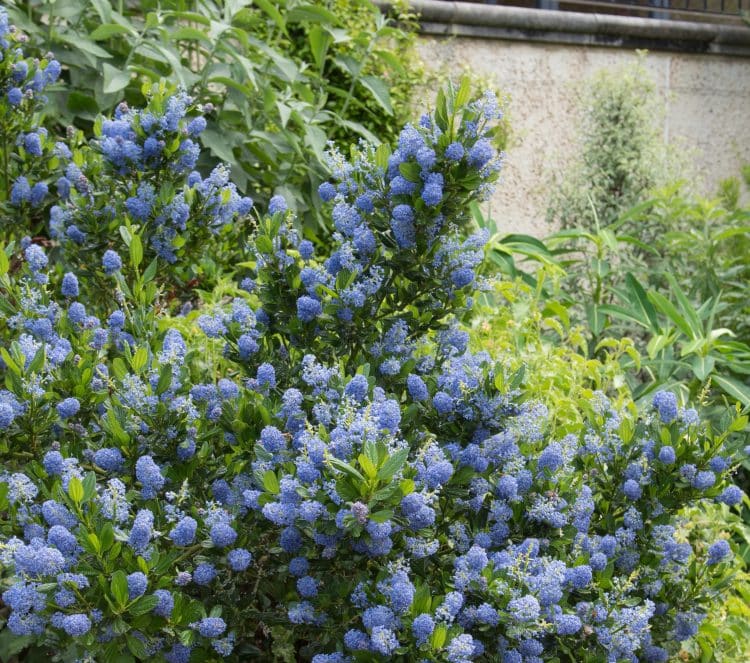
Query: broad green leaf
{"type": "Point", "coordinates": [75, 490]}
{"type": "Point", "coordinates": [702, 366]}
{"type": "Point", "coordinates": [639, 299]}
{"type": "Point", "coordinates": [311, 14]}
{"type": "Point", "coordinates": [346, 468]}
{"type": "Point", "coordinates": [669, 309]}
{"type": "Point", "coordinates": [271, 482]}
{"type": "Point", "coordinates": [393, 464]}
{"type": "Point", "coordinates": [270, 9]}
{"type": "Point", "coordinates": [136, 647]}
{"type": "Point", "coordinates": [380, 91]}
{"type": "Point", "coordinates": [686, 306]}
{"type": "Point", "coordinates": [368, 466]}
{"type": "Point", "coordinates": [136, 251]}
{"type": "Point", "coordinates": [143, 605]}
{"type": "Point", "coordinates": [733, 388]}
{"type": "Point", "coordinates": [118, 587]}
{"type": "Point", "coordinates": [107, 30]}
{"type": "Point", "coordinates": [320, 41]}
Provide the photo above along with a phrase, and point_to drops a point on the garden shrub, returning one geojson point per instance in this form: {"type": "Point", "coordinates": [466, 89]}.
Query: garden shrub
{"type": "Point", "coordinates": [316, 466]}
{"type": "Point", "coordinates": [619, 157]}
{"type": "Point", "coordinates": [281, 78]}
{"type": "Point", "coordinates": [529, 329]}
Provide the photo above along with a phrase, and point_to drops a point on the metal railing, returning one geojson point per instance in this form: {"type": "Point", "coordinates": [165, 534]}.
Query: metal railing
{"type": "Point", "coordinates": [714, 11]}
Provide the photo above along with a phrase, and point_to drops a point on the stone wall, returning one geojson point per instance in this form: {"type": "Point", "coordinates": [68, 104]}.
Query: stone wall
{"type": "Point", "coordinates": [706, 99]}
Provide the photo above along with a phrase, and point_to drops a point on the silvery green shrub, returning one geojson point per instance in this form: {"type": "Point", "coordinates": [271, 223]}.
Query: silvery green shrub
{"type": "Point", "coordinates": [311, 465]}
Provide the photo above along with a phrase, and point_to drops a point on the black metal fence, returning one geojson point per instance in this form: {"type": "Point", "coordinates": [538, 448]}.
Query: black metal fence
{"type": "Point", "coordinates": [720, 11]}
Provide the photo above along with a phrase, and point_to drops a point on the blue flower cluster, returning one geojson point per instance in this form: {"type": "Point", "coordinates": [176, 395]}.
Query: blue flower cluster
{"type": "Point", "coordinates": [29, 149]}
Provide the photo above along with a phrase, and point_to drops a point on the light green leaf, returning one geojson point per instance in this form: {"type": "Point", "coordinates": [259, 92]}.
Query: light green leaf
{"type": "Point", "coordinates": [379, 90]}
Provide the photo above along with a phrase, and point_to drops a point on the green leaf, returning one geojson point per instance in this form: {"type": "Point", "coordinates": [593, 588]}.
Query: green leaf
{"type": "Point", "coordinates": [165, 379]}
{"type": "Point", "coordinates": [464, 93]}
{"type": "Point", "coordinates": [270, 9]}
{"type": "Point", "coordinates": [346, 468]}
{"type": "Point", "coordinates": [4, 262]}
{"type": "Point", "coordinates": [320, 41]}
{"type": "Point", "coordinates": [368, 466]}
{"type": "Point", "coordinates": [437, 639]}
{"type": "Point", "coordinates": [143, 605]}
{"type": "Point", "coordinates": [139, 360]}
{"type": "Point", "coordinates": [733, 388]}
{"type": "Point", "coordinates": [89, 486]}
{"type": "Point", "coordinates": [686, 306]}
{"type": "Point", "coordinates": [312, 14]}
{"type": "Point", "coordinates": [411, 171]}
{"type": "Point", "coordinates": [136, 251]}
{"type": "Point", "coordinates": [107, 30]}
{"type": "Point", "coordinates": [263, 244]}
{"type": "Point", "coordinates": [393, 464]}
{"type": "Point", "coordinates": [136, 647]}
{"type": "Point", "coordinates": [382, 154]}
{"type": "Point", "coordinates": [639, 299]}
{"type": "Point", "coordinates": [75, 490]}
{"type": "Point", "coordinates": [118, 587]}
{"type": "Point", "coordinates": [150, 272]}
{"type": "Point", "coordinates": [670, 310]}
{"type": "Point", "coordinates": [702, 366]}
{"type": "Point", "coordinates": [271, 482]}
{"type": "Point", "coordinates": [380, 91]}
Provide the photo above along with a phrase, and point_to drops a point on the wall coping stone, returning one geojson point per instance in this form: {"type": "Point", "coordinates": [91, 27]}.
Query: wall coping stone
{"type": "Point", "coordinates": [469, 19]}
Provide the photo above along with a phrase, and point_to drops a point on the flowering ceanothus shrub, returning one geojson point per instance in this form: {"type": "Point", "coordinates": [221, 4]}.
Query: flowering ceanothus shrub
{"type": "Point", "coordinates": [314, 466]}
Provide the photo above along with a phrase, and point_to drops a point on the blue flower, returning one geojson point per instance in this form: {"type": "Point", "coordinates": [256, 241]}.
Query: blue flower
{"type": "Point", "coordinates": [731, 495]}
{"type": "Point", "coordinates": [222, 535]}
{"type": "Point", "coordinates": [165, 605]}
{"type": "Point", "coordinates": [357, 388]}
{"type": "Point", "coordinates": [632, 489]}
{"type": "Point", "coordinates": [69, 286]}
{"type": "Point", "coordinates": [308, 308]}
{"type": "Point", "coordinates": [718, 551]}
{"type": "Point", "coordinates": [417, 388]}
{"type": "Point", "coordinates": [422, 628]}
{"type": "Point", "coordinates": [667, 455]}
{"type": "Point", "coordinates": [383, 640]}
{"type": "Point", "coordinates": [454, 152]}
{"type": "Point", "coordinates": [137, 585]}
{"type": "Point", "coordinates": [35, 257]}
{"type": "Point", "coordinates": [15, 96]}
{"type": "Point", "coordinates": [142, 531]}
{"type": "Point", "coordinates": [183, 534]}
{"type": "Point", "coordinates": [149, 474]}
{"type": "Point", "coordinates": [211, 627]}
{"type": "Point", "coordinates": [109, 459]}
{"type": "Point", "coordinates": [239, 559]}
{"type": "Point", "coordinates": [306, 249]}
{"type": "Point", "coordinates": [327, 192]}
{"type": "Point", "coordinates": [204, 574]}
{"type": "Point", "coordinates": [111, 262]}
{"type": "Point", "coordinates": [307, 587]}
{"type": "Point", "coordinates": [76, 625]}
{"type": "Point", "coordinates": [524, 609]}
{"type": "Point", "coordinates": [277, 205]}
{"type": "Point", "coordinates": [68, 408]}
{"type": "Point", "coordinates": [665, 403]}
{"type": "Point", "coordinates": [704, 480]}
{"type": "Point", "coordinates": [460, 649]}
{"type": "Point", "coordinates": [480, 153]}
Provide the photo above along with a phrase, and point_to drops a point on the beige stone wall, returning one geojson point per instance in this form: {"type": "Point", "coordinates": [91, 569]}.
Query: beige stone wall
{"type": "Point", "coordinates": [707, 104]}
